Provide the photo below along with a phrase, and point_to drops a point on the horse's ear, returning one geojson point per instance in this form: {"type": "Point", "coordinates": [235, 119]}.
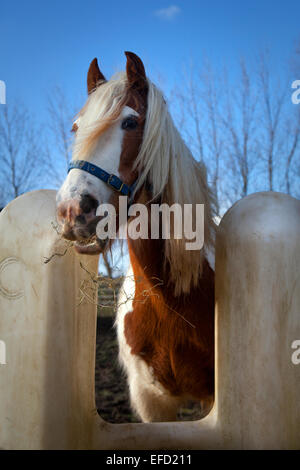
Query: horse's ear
{"type": "Point", "coordinates": [136, 72]}
{"type": "Point", "coordinates": [94, 75]}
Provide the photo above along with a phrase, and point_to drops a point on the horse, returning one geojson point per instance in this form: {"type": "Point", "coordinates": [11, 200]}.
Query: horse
{"type": "Point", "coordinates": [126, 143]}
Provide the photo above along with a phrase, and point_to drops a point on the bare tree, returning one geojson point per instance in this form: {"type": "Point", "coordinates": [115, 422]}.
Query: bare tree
{"type": "Point", "coordinates": [213, 135]}
{"type": "Point", "coordinates": [188, 111]}
{"type": "Point", "coordinates": [243, 126]}
{"type": "Point", "coordinates": [295, 59]}
{"type": "Point", "coordinates": [197, 107]}
{"type": "Point", "coordinates": [292, 132]}
{"type": "Point", "coordinates": [61, 114]}
{"type": "Point", "coordinates": [239, 122]}
{"type": "Point", "coordinates": [292, 150]}
{"type": "Point", "coordinates": [217, 120]}
{"type": "Point", "coordinates": [21, 154]}
{"type": "Point", "coordinates": [273, 98]}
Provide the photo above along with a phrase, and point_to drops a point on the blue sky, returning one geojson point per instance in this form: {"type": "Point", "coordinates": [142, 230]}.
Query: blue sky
{"type": "Point", "coordinates": [44, 44]}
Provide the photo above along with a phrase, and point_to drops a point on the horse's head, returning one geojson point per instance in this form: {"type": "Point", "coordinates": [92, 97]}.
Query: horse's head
{"type": "Point", "coordinates": [108, 135]}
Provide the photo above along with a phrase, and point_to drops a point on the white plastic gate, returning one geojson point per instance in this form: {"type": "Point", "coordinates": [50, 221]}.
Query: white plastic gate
{"type": "Point", "coordinates": [47, 384]}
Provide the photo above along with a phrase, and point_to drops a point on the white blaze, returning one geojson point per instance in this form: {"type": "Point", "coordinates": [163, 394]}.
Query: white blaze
{"type": "Point", "coordinates": [106, 155]}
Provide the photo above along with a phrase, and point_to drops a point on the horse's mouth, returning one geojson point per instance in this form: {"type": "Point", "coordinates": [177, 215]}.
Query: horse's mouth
{"type": "Point", "coordinates": [84, 238]}
{"type": "Point", "coordinates": [90, 246]}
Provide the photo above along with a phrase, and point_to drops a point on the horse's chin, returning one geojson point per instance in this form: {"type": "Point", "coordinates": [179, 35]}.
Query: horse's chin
{"type": "Point", "coordinates": [92, 246]}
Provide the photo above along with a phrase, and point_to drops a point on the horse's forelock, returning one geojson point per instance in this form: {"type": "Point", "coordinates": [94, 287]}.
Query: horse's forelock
{"type": "Point", "coordinates": [103, 108]}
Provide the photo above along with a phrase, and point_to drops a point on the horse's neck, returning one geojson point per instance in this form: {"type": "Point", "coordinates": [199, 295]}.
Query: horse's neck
{"type": "Point", "coordinates": [146, 255]}
{"type": "Point", "coordinates": [152, 277]}
{"type": "Point", "coordinates": [152, 272]}
{"type": "Point", "coordinates": [147, 261]}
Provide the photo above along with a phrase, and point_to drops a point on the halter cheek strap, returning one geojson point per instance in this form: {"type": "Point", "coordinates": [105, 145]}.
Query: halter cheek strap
{"type": "Point", "coordinates": [111, 180]}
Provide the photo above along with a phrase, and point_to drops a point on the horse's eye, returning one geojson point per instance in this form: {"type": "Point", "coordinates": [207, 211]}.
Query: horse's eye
{"type": "Point", "coordinates": [129, 123]}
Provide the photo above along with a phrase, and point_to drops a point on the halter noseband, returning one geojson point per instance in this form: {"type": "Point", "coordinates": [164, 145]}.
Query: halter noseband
{"type": "Point", "coordinates": [111, 180]}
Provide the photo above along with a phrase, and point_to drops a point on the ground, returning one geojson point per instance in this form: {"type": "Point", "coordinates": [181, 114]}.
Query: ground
{"type": "Point", "coordinates": [110, 383]}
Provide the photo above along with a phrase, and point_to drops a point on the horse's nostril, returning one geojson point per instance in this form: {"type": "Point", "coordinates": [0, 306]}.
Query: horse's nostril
{"type": "Point", "coordinates": [68, 232]}
{"type": "Point", "coordinates": [80, 219]}
{"type": "Point", "coordinates": [88, 203]}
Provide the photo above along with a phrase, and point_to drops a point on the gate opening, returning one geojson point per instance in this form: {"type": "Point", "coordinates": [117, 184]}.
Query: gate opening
{"type": "Point", "coordinates": [111, 390]}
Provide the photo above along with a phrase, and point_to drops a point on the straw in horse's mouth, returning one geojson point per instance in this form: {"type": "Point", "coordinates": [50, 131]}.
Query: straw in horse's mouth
{"type": "Point", "coordinates": [90, 245]}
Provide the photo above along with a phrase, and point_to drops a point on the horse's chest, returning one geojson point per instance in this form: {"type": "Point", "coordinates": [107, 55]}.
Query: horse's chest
{"type": "Point", "coordinates": [177, 363]}
{"type": "Point", "coordinates": [164, 349]}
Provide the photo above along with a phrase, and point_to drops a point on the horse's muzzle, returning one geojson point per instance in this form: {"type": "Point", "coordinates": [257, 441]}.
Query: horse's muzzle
{"type": "Point", "coordinates": [78, 218]}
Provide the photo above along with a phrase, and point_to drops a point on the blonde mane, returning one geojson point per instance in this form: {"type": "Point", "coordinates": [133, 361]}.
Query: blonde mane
{"type": "Point", "coordinates": [165, 161]}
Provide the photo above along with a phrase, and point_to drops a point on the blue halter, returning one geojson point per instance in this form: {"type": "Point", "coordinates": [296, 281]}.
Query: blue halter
{"type": "Point", "coordinates": [111, 180]}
